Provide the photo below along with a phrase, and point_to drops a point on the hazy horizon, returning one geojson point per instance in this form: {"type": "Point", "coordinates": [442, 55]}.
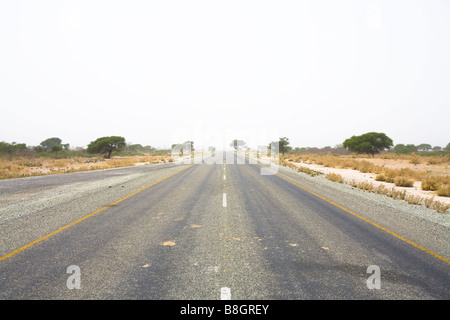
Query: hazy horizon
{"type": "Point", "coordinates": [158, 72]}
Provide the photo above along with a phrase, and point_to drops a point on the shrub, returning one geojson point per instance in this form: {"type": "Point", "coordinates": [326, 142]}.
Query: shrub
{"type": "Point", "coordinates": [366, 186]}
{"type": "Point", "coordinates": [365, 166]}
{"type": "Point", "coordinates": [431, 184]}
{"type": "Point", "coordinates": [411, 199]}
{"type": "Point", "coordinates": [353, 183]}
{"type": "Point", "coordinates": [428, 201]}
{"type": "Point", "coordinates": [381, 189]}
{"type": "Point", "coordinates": [403, 182]}
{"type": "Point", "coordinates": [440, 207]}
{"type": "Point", "coordinates": [398, 194]}
{"type": "Point", "coordinates": [414, 159]}
{"type": "Point", "coordinates": [335, 177]}
{"type": "Point", "coordinates": [389, 175]}
{"type": "Point", "coordinates": [444, 191]}
{"type": "Point", "coordinates": [309, 171]}
{"type": "Point", "coordinates": [435, 160]}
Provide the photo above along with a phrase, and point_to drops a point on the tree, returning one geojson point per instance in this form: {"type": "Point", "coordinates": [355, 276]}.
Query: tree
{"type": "Point", "coordinates": [12, 148]}
{"type": "Point", "coordinates": [447, 148]}
{"type": "Point", "coordinates": [283, 145]}
{"type": "Point", "coordinates": [56, 147]}
{"type": "Point", "coordinates": [424, 146]}
{"type": "Point", "coordinates": [370, 143]}
{"type": "Point", "coordinates": [236, 144]}
{"type": "Point", "coordinates": [180, 149]}
{"type": "Point", "coordinates": [50, 142]}
{"type": "Point", "coordinates": [191, 144]}
{"type": "Point", "coordinates": [39, 149]}
{"type": "Point", "coordinates": [134, 147]}
{"type": "Point", "coordinates": [402, 149]}
{"type": "Point", "coordinates": [106, 145]}
{"type": "Point", "coordinates": [299, 149]}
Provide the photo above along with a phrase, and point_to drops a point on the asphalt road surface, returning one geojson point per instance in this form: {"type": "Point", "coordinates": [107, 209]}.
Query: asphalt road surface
{"type": "Point", "coordinates": [210, 231]}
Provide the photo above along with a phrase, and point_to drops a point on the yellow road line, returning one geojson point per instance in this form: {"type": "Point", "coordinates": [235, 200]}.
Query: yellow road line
{"type": "Point", "coordinates": [371, 222]}
{"type": "Point", "coordinates": [85, 217]}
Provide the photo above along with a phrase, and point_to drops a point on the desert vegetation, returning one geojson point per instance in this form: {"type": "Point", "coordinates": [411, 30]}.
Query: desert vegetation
{"type": "Point", "coordinates": [395, 168]}
{"type": "Point", "coordinates": [52, 156]}
{"type": "Point", "coordinates": [433, 172]}
{"type": "Point", "coordinates": [403, 166]}
{"type": "Point", "coordinates": [19, 167]}
{"type": "Point", "coordinates": [428, 172]}
{"type": "Point", "coordinates": [368, 143]}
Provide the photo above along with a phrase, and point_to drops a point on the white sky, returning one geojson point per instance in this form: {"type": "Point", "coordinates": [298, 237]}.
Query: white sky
{"type": "Point", "coordinates": [162, 72]}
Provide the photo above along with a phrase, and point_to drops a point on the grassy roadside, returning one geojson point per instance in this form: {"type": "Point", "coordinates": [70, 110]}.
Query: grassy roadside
{"type": "Point", "coordinates": [19, 167]}
{"type": "Point", "coordinates": [432, 172]}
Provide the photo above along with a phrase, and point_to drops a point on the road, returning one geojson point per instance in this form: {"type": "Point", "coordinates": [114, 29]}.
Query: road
{"type": "Point", "coordinates": [189, 231]}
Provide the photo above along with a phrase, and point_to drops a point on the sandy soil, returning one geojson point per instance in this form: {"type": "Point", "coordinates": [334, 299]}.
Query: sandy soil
{"type": "Point", "coordinates": [437, 169]}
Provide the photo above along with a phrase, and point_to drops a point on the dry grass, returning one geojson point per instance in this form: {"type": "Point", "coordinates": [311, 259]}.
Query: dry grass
{"type": "Point", "coordinates": [25, 167]}
{"type": "Point", "coordinates": [309, 171]}
{"type": "Point", "coordinates": [402, 181]}
{"type": "Point", "coordinates": [444, 191]}
{"type": "Point", "coordinates": [335, 177]}
{"type": "Point", "coordinates": [433, 173]}
{"type": "Point", "coordinates": [414, 199]}
{"type": "Point", "coordinates": [403, 170]}
{"type": "Point", "coordinates": [431, 183]}
{"type": "Point", "coordinates": [440, 207]}
{"type": "Point", "coordinates": [428, 202]}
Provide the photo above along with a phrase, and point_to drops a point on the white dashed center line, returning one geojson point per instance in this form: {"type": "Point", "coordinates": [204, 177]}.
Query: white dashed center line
{"type": "Point", "coordinates": [225, 293]}
{"type": "Point", "coordinates": [224, 200]}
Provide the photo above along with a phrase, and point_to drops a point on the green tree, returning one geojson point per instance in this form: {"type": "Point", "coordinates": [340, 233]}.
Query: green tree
{"type": "Point", "coordinates": [182, 148]}
{"type": "Point", "coordinates": [402, 149]}
{"type": "Point", "coordinates": [236, 144]}
{"type": "Point", "coordinates": [12, 148]}
{"type": "Point", "coordinates": [370, 143]}
{"type": "Point", "coordinates": [447, 148]}
{"type": "Point", "coordinates": [299, 149]}
{"type": "Point", "coordinates": [106, 145]}
{"type": "Point", "coordinates": [50, 142]}
{"type": "Point", "coordinates": [424, 146]}
{"type": "Point", "coordinates": [134, 147]}
{"type": "Point", "coordinates": [39, 149]}
{"type": "Point", "coordinates": [191, 144]}
{"type": "Point", "coordinates": [283, 145]}
{"type": "Point", "coordinates": [56, 147]}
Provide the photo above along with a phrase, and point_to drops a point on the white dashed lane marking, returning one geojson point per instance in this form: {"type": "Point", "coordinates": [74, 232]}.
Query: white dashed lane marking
{"type": "Point", "coordinates": [224, 200]}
